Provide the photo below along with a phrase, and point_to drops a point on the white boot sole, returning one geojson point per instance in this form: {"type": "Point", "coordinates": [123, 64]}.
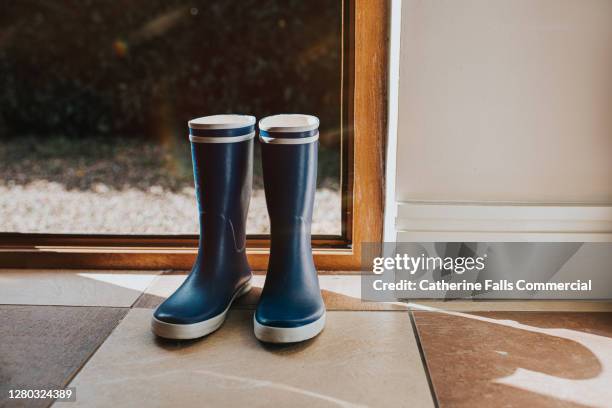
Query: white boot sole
{"type": "Point", "coordinates": [271, 334]}
{"type": "Point", "coordinates": [196, 330]}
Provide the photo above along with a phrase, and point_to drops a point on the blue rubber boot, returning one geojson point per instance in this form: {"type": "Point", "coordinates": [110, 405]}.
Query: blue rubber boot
{"type": "Point", "coordinates": [291, 308]}
{"type": "Point", "coordinates": [222, 154]}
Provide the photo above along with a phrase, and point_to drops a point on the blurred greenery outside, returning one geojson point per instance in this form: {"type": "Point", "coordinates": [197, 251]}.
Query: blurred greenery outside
{"type": "Point", "coordinates": [95, 95]}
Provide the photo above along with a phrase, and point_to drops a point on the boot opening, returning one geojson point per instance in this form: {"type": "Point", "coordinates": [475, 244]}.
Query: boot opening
{"type": "Point", "coordinates": [289, 123]}
{"type": "Point", "coordinates": [229, 121]}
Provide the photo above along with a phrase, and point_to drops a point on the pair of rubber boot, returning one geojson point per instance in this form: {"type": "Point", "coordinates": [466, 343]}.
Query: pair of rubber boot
{"type": "Point", "coordinates": [290, 308]}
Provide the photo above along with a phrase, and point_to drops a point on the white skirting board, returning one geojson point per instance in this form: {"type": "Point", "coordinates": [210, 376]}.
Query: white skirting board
{"type": "Point", "coordinates": [491, 222]}
{"type": "Point", "coordinates": [476, 222]}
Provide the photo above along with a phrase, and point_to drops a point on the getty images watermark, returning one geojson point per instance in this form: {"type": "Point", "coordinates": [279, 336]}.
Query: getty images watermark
{"type": "Point", "coordinates": [510, 270]}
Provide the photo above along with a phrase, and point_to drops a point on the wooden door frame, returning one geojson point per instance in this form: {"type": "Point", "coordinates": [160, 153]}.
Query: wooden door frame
{"type": "Point", "coordinates": [365, 76]}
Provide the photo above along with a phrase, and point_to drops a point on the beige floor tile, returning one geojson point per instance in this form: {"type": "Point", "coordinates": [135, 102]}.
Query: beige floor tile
{"type": "Point", "coordinates": [360, 359]}
{"type": "Point", "coordinates": [340, 292]}
{"type": "Point", "coordinates": [73, 287]}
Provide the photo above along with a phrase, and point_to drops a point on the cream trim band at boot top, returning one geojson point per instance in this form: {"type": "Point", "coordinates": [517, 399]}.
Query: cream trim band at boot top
{"type": "Point", "coordinates": [286, 140]}
{"type": "Point", "coordinates": [221, 139]}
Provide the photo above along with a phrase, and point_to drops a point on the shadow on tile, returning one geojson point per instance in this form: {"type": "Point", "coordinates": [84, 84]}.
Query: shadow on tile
{"type": "Point", "coordinates": [286, 349]}
{"type": "Point", "coordinates": [518, 358]}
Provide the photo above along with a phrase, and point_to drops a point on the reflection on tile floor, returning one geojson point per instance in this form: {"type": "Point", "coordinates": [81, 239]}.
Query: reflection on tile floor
{"type": "Point", "coordinates": [73, 288]}
{"type": "Point", "coordinates": [460, 305]}
{"type": "Point", "coordinates": [45, 346]}
{"type": "Point", "coordinates": [518, 358]}
{"type": "Point", "coordinates": [361, 358]}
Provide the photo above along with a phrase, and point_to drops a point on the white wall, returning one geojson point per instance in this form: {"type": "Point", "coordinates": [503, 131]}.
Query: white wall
{"type": "Point", "coordinates": [505, 101]}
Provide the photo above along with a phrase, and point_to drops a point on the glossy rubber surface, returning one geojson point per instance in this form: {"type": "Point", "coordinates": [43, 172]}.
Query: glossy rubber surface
{"type": "Point", "coordinates": [291, 297]}
{"type": "Point", "coordinates": [223, 178]}
{"type": "Point", "coordinates": [199, 329]}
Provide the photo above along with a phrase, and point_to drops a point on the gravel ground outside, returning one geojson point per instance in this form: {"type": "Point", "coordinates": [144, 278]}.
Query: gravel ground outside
{"type": "Point", "coordinates": [67, 186]}
{"type": "Point", "coordinates": [44, 206]}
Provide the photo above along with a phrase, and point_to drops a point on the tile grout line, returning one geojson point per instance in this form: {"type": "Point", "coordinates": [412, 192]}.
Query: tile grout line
{"type": "Point", "coordinates": [127, 311]}
{"type": "Point", "coordinates": [94, 351]}
{"type": "Point", "coordinates": [423, 360]}
{"type": "Point", "coordinates": [150, 285]}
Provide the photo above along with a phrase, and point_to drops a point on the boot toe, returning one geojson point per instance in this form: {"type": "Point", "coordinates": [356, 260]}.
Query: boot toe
{"type": "Point", "coordinates": [288, 316]}
{"type": "Point", "coordinates": [176, 312]}
{"type": "Point", "coordinates": [172, 317]}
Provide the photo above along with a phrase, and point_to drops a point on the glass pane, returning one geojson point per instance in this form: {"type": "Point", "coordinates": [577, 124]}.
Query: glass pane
{"type": "Point", "coordinates": [95, 99]}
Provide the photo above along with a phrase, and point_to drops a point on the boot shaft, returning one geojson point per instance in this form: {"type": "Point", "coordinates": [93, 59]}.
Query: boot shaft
{"type": "Point", "coordinates": [290, 175]}
{"type": "Point", "coordinates": [223, 176]}
{"type": "Point", "coordinates": [289, 157]}
{"type": "Point", "coordinates": [222, 156]}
